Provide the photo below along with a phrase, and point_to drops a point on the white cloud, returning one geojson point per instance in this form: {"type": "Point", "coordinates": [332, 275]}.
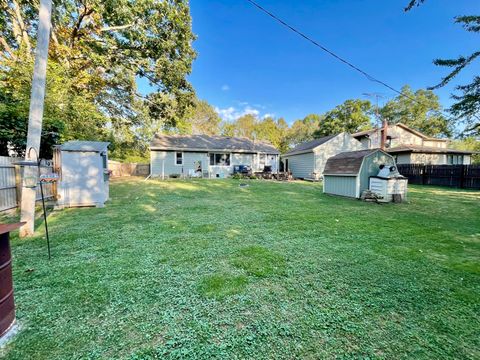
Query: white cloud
{"type": "Point", "coordinates": [268, 115]}
{"type": "Point", "coordinates": [225, 87]}
{"type": "Point", "coordinates": [232, 113]}
{"type": "Point", "coordinates": [227, 114]}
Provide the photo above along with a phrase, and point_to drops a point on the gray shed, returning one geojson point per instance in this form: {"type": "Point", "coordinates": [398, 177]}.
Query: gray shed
{"type": "Point", "coordinates": [347, 174]}
{"type": "Point", "coordinates": [82, 167]}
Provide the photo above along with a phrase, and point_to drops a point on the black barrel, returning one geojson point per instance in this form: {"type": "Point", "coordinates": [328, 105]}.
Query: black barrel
{"type": "Point", "coordinates": [7, 303]}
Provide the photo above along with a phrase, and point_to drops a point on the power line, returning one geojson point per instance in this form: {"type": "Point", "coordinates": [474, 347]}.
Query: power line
{"type": "Point", "coordinates": [339, 58]}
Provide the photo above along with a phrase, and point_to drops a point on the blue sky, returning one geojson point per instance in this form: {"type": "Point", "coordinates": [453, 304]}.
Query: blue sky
{"type": "Point", "coordinates": [249, 63]}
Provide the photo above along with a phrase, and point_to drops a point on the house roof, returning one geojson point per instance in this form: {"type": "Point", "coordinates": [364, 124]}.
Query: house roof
{"type": "Point", "coordinates": [418, 133]}
{"type": "Point", "coordinates": [347, 163]}
{"type": "Point", "coordinates": [364, 133]}
{"type": "Point", "coordinates": [426, 150]}
{"type": "Point", "coordinates": [210, 143]}
{"type": "Point", "coordinates": [77, 145]}
{"type": "Point", "coordinates": [309, 145]}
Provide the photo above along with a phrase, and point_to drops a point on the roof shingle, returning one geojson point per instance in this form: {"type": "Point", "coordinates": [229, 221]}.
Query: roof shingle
{"type": "Point", "coordinates": [426, 149]}
{"type": "Point", "coordinates": [210, 143]}
{"type": "Point", "coordinates": [346, 163]}
{"type": "Point", "coordinates": [78, 145]}
{"type": "Point", "coordinates": [309, 145]}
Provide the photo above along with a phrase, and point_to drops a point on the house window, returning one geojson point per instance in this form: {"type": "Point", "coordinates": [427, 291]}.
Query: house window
{"type": "Point", "coordinates": [104, 160]}
{"type": "Point", "coordinates": [454, 159]}
{"type": "Point", "coordinates": [178, 158]}
{"type": "Point", "coordinates": [220, 159]}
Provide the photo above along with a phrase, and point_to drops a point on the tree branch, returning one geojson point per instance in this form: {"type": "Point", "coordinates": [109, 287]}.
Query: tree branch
{"type": "Point", "coordinates": [76, 29]}
{"type": "Point", "coordinates": [116, 28]}
{"type": "Point", "coordinates": [413, 3]}
{"type": "Point", "coordinates": [459, 64]}
{"type": "Point", "coordinates": [22, 27]}
{"type": "Point", "coordinates": [7, 47]}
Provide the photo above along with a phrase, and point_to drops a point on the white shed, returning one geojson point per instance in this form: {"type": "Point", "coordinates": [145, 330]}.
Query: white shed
{"type": "Point", "coordinates": [82, 167]}
{"type": "Point", "coordinates": [307, 160]}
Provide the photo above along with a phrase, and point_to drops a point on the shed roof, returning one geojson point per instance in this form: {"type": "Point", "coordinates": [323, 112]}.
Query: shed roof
{"type": "Point", "coordinates": [78, 145]}
{"type": "Point", "coordinates": [347, 163]}
{"type": "Point", "coordinates": [309, 145]}
{"type": "Point", "coordinates": [210, 143]}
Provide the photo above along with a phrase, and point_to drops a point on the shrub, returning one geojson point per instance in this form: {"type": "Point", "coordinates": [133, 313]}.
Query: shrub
{"type": "Point", "coordinates": [237, 176]}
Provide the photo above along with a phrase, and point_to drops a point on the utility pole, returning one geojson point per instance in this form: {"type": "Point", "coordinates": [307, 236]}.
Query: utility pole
{"type": "Point", "coordinates": [36, 115]}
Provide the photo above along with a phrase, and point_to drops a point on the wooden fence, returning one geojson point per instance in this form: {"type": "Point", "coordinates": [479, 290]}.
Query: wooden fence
{"type": "Point", "coordinates": [11, 183]}
{"type": "Point", "coordinates": [460, 176]}
{"type": "Point", "coordinates": [133, 169]}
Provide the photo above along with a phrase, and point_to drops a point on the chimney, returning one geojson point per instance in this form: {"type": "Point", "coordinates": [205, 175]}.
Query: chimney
{"type": "Point", "coordinates": [384, 134]}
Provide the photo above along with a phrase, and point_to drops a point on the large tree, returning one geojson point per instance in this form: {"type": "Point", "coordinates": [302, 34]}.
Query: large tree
{"type": "Point", "coordinates": [420, 110]}
{"type": "Point", "coordinates": [203, 119]}
{"type": "Point", "coordinates": [273, 131]}
{"type": "Point", "coordinates": [467, 96]}
{"type": "Point", "coordinates": [303, 129]}
{"type": "Point", "coordinates": [351, 116]}
{"type": "Point", "coordinates": [99, 49]}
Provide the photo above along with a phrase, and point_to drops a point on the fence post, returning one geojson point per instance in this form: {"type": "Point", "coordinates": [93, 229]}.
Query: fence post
{"type": "Point", "coordinates": [18, 183]}
{"type": "Point", "coordinates": [462, 177]}
{"type": "Point", "coordinates": [424, 170]}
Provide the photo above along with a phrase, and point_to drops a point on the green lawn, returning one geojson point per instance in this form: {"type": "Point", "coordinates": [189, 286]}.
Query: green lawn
{"type": "Point", "coordinates": [208, 270]}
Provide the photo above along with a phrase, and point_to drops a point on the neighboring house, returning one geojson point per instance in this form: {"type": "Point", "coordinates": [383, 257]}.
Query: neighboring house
{"type": "Point", "coordinates": [308, 159]}
{"type": "Point", "coordinates": [208, 156]}
{"type": "Point", "coordinates": [409, 146]}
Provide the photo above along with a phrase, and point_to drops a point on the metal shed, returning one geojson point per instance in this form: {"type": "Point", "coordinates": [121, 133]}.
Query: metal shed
{"type": "Point", "coordinates": [347, 174]}
{"type": "Point", "coordinates": [82, 167]}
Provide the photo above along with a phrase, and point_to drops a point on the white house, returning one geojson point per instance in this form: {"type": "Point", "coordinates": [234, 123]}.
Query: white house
{"type": "Point", "coordinates": [208, 156]}
{"type": "Point", "coordinates": [409, 146]}
{"type": "Point", "coordinates": [308, 159]}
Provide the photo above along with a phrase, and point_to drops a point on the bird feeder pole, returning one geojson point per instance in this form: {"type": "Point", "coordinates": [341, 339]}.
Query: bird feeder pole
{"type": "Point", "coordinates": [36, 113]}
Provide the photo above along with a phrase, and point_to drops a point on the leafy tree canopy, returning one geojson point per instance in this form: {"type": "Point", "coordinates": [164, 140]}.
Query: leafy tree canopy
{"type": "Point", "coordinates": [467, 96]}
{"type": "Point", "coordinates": [419, 110]}
{"type": "Point", "coordinates": [203, 119]}
{"type": "Point", "coordinates": [97, 51]}
{"type": "Point", "coordinates": [351, 116]}
{"type": "Point", "coordinates": [304, 129]}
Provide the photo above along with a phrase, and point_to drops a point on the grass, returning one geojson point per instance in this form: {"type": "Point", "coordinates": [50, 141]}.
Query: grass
{"type": "Point", "coordinates": [208, 270]}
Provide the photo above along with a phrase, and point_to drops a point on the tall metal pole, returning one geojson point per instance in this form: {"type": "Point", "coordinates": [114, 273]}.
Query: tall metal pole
{"type": "Point", "coordinates": [36, 113]}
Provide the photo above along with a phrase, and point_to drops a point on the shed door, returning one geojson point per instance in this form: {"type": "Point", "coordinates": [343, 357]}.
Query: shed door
{"type": "Point", "coordinates": [82, 177]}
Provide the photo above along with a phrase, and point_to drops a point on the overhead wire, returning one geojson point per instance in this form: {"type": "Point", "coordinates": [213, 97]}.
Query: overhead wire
{"type": "Point", "coordinates": [339, 58]}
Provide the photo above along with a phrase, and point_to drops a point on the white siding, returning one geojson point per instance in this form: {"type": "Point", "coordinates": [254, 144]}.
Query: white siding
{"type": "Point", "coordinates": [341, 143]}
{"type": "Point", "coordinates": [428, 159]}
{"type": "Point", "coordinates": [167, 158]}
